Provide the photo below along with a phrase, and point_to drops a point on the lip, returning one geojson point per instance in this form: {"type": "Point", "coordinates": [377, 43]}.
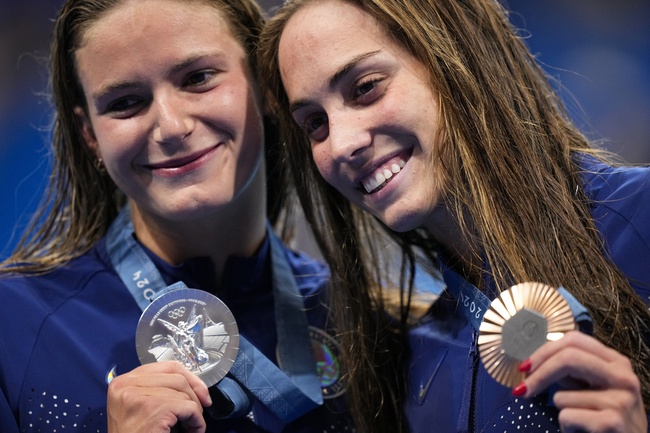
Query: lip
{"type": "Point", "coordinates": [182, 165]}
{"type": "Point", "coordinates": [370, 169]}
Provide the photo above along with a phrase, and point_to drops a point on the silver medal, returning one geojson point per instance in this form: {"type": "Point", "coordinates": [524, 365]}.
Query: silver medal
{"type": "Point", "coordinates": [192, 327]}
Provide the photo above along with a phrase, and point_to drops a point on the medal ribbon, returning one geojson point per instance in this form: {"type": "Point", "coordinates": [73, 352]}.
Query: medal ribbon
{"type": "Point", "coordinates": [287, 395]}
{"type": "Point", "coordinates": [475, 303]}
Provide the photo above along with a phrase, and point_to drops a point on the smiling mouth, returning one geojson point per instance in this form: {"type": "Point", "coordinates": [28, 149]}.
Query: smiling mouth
{"type": "Point", "coordinates": [180, 162]}
{"type": "Point", "coordinates": [382, 176]}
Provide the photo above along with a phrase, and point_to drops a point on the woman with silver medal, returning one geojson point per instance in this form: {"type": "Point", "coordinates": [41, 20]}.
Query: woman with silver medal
{"type": "Point", "coordinates": [428, 123]}
{"type": "Point", "coordinates": [159, 217]}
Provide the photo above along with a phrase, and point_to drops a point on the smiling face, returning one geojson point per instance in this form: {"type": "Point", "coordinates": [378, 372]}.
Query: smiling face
{"type": "Point", "coordinates": [172, 110]}
{"type": "Point", "coordinates": [368, 110]}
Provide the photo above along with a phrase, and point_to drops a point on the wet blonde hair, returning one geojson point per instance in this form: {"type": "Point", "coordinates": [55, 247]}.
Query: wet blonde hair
{"type": "Point", "coordinates": [81, 200]}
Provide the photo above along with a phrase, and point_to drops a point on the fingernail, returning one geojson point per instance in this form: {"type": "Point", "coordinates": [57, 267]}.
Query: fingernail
{"type": "Point", "coordinates": [519, 390]}
{"type": "Point", "coordinates": [525, 365]}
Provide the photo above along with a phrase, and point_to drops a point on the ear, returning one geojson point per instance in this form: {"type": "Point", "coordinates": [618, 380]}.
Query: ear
{"type": "Point", "coordinates": [86, 129]}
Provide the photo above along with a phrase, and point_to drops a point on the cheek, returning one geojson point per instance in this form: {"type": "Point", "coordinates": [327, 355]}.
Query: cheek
{"type": "Point", "coordinates": [235, 98]}
{"type": "Point", "coordinates": [238, 110]}
{"type": "Point", "coordinates": [324, 163]}
{"type": "Point", "coordinates": [112, 141]}
{"type": "Point", "coordinates": [252, 132]}
{"type": "Point", "coordinates": [119, 145]}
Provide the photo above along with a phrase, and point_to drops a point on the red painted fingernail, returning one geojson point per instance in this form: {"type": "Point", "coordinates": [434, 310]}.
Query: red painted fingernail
{"type": "Point", "coordinates": [519, 390]}
{"type": "Point", "coordinates": [525, 365]}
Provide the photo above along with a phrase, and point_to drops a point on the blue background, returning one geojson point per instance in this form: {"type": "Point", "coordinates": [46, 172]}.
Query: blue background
{"type": "Point", "coordinates": [599, 50]}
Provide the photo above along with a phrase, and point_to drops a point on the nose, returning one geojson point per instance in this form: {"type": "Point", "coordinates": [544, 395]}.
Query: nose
{"type": "Point", "coordinates": [348, 137]}
{"type": "Point", "coordinates": [173, 124]}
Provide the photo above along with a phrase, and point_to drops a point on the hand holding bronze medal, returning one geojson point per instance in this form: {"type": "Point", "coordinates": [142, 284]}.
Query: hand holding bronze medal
{"type": "Point", "coordinates": [517, 323]}
{"type": "Point", "coordinates": [192, 327]}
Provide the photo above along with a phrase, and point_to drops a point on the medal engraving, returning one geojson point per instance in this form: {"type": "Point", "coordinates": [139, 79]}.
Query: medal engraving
{"type": "Point", "coordinates": [518, 322]}
{"type": "Point", "coordinates": [523, 333]}
{"type": "Point", "coordinates": [191, 327]}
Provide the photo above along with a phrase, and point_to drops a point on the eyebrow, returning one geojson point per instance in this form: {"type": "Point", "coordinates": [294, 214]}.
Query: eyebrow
{"type": "Point", "coordinates": [336, 78]}
{"type": "Point", "coordinates": [107, 89]}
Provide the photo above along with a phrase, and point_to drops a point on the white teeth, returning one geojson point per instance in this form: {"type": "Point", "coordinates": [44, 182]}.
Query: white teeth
{"type": "Point", "coordinates": [370, 184]}
{"type": "Point", "coordinates": [382, 175]}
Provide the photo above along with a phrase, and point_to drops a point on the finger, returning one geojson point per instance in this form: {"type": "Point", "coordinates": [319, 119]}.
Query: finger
{"type": "Point", "coordinates": [569, 364]}
{"type": "Point", "coordinates": [584, 420]}
{"type": "Point", "coordinates": [572, 363]}
{"type": "Point", "coordinates": [165, 374]}
{"type": "Point", "coordinates": [199, 388]}
{"type": "Point", "coordinates": [623, 410]}
{"type": "Point", "coordinates": [128, 390]}
{"type": "Point", "coordinates": [601, 411]}
{"type": "Point", "coordinates": [153, 403]}
{"type": "Point", "coordinates": [618, 400]}
{"type": "Point", "coordinates": [605, 421]}
{"type": "Point", "coordinates": [191, 420]}
{"type": "Point", "coordinates": [575, 339]}
{"type": "Point", "coordinates": [146, 414]}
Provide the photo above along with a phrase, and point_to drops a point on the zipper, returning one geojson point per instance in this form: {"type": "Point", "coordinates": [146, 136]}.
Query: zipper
{"type": "Point", "coordinates": [471, 418]}
{"type": "Point", "coordinates": [467, 416]}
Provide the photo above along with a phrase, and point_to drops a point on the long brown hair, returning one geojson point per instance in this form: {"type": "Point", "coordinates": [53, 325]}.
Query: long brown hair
{"type": "Point", "coordinates": [81, 200]}
{"type": "Point", "coordinates": [509, 161]}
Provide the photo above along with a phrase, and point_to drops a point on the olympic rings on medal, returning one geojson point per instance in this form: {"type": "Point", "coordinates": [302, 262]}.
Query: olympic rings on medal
{"type": "Point", "coordinates": [176, 313]}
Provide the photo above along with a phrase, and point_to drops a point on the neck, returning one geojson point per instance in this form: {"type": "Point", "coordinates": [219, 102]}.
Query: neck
{"type": "Point", "coordinates": [237, 228]}
{"type": "Point", "coordinates": [446, 229]}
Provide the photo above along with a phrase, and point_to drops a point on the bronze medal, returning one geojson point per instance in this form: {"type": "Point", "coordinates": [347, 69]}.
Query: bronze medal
{"type": "Point", "coordinates": [517, 323]}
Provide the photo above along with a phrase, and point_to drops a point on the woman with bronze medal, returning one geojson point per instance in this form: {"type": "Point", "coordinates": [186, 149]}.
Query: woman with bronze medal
{"type": "Point", "coordinates": [155, 242]}
{"type": "Point", "coordinates": [428, 123]}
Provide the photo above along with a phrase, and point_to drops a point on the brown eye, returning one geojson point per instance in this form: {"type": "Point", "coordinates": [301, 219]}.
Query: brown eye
{"type": "Point", "coordinates": [315, 126]}
{"type": "Point", "coordinates": [199, 78]}
{"type": "Point", "coordinates": [313, 123]}
{"type": "Point", "coordinates": [365, 87]}
{"type": "Point", "coordinates": [124, 105]}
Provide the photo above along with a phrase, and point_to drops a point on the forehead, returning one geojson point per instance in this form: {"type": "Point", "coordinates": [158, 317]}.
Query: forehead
{"type": "Point", "coordinates": [325, 40]}
{"type": "Point", "coordinates": [146, 41]}
{"type": "Point", "coordinates": [131, 19]}
{"type": "Point", "coordinates": [329, 22]}
{"type": "Point", "coordinates": [156, 32]}
{"type": "Point", "coordinates": [325, 32]}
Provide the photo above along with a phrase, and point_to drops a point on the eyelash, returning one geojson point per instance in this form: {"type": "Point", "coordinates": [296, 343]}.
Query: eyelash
{"type": "Point", "coordinates": [117, 107]}
{"type": "Point", "coordinates": [306, 124]}
{"type": "Point", "coordinates": [206, 75]}
{"type": "Point", "coordinates": [357, 96]}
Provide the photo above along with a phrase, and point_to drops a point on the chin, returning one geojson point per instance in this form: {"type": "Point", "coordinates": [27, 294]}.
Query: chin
{"type": "Point", "coordinates": [192, 210]}
{"type": "Point", "coordinates": [404, 222]}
